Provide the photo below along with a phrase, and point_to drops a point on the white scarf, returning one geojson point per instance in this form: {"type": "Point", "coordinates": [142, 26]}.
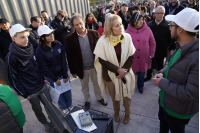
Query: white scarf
{"type": "Point", "coordinates": [105, 50]}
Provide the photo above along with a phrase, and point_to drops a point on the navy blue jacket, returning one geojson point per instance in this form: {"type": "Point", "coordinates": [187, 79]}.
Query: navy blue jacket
{"type": "Point", "coordinates": [24, 75]}
{"type": "Point", "coordinates": [52, 62]}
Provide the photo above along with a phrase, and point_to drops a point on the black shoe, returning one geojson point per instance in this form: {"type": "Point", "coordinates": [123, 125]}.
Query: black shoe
{"type": "Point", "coordinates": [87, 105]}
{"type": "Point", "coordinates": [141, 91]}
{"type": "Point", "coordinates": [102, 102]}
{"type": "Point", "coordinates": [147, 79]}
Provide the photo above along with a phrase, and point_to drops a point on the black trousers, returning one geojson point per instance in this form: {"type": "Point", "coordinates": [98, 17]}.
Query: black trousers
{"type": "Point", "coordinates": [21, 130]}
{"type": "Point", "coordinates": [171, 123]}
{"type": "Point", "coordinates": [157, 63]}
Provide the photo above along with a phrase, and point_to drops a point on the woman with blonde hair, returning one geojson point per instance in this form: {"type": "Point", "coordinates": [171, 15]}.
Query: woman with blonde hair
{"type": "Point", "coordinates": [114, 56]}
{"type": "Point", "coordinates": [91, 22]}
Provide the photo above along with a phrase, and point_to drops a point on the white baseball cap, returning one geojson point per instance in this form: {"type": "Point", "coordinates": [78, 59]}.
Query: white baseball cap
{"type": "Point", "coordinates": [188, 19]}
{"type": "Point", "coordinates": [17, 28]}
{"type": "Point", "coordinates": [44, 30]}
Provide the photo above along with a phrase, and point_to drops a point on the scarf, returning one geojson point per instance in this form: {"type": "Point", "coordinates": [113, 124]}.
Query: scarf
{"type": "Point", "coordinates": [26, 53]}
{"type": "Point", "coordinates": [90, 22]}
{"type": "Point", "coordinates": [115, 40]}
{"type": "Point", "coordinates": [105, 50]}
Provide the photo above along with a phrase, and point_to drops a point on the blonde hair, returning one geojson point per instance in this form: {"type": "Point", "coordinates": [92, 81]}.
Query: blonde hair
{"type": "Point", "coordinates": [109, 24]}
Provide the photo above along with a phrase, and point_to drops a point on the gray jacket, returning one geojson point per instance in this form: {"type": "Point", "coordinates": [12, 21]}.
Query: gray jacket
{"type": "Point", "coordinates": [182, 84]}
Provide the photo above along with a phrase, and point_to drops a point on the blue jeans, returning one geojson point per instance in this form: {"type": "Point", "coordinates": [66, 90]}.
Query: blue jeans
{"type": "Point", "coordinates": [65, 99]}
{"type": "Point", "coordinates": [140, 80]}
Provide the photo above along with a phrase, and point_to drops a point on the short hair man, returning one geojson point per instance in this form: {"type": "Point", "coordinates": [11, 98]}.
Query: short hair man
{"type": "Point", "coordinates": [35, 23]}
{"type": "Point", "coordinates": [45, 15]}
{"type": "Point", "coordinates": [80, 46]}
{"type": "Point", "coordinates": [161, 32]}
{"type": "Point", "coordinates": [179, 80]}
{"type": "Point", "coordinates": [150, 10]}
{"type": "Point", "coordinates": [24, 74]}
{"type": "Point", "coordinates": [62, 29]}
{"type": "Point", "coordinates": [124, 15]}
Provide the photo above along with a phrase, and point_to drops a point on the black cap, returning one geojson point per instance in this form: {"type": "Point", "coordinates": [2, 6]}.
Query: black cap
{"type": "Point", "coordinates": [3, 20]}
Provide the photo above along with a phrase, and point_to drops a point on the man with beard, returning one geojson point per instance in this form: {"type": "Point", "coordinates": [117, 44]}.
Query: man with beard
{"type": "Point", "coordinates": [179, 80]}
{"type": "Point", "coordinates": [48, 20]}
{"type": "Point", "coordinates": [62, 29]}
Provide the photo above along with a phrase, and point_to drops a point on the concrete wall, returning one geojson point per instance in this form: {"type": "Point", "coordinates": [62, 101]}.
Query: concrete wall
{"type": "Point", "coordinates": [20, 11]}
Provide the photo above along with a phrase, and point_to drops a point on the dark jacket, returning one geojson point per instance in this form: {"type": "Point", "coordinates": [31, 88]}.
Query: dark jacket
{"type": "Point", "coordinates": [177, 10]}
{"type": "Point", "coordinates": [162, 37]}
{"type": "Point", "coordinates": [101, 18]}
{"type": "Point", "coordinates": [8, 123]}
{"type": "Point", "coordinates": [24, 75]}
{"type": "Point", "coordinates": [125, 20]}
{"type": "Point", "coordinates": [34, 34]}
{"type": "Point", "coordinates": [60, 30]}
{"type": "Point", "coordinates": [96, 14]}
{"type": "Point", "coordinates": [181, 86]}
{"type": "Point", "coordinates": [73, 51]}
{"type": "Point", "coordinates": [5, 41]}
{"type": "Point", "coordinates": [93, 25]}
{"type": "Point", "coordinates": [52, 62]}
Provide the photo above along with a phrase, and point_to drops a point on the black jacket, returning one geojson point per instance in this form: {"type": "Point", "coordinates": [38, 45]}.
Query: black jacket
{"type": "Point", "coordinates": [34, 34]}
{"type": "Point", "coordinates": [52, 63]}
{"type": "Point", "coordinates": [125, 21]}
{"type": "Point", "coordinates": [177, 10]}
{"type": "Point", "coordinates": [94, 25]}
{"type": "Point", "coordinates": [60, 30]}
{"type": "Point", "coordinates": [5, 41]}
{"type": "Point", "coordinates": [162, 37]}
{"type": "Point", "coordinates": [101, 18]}
{"type": "Point", "coordinates": [8, 123]}
{"type": "Point", "coordinates": [24, 75]}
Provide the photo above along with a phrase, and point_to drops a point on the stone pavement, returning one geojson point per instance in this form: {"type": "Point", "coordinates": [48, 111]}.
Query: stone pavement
{"type": "Point", "coordinates": [143, 118]}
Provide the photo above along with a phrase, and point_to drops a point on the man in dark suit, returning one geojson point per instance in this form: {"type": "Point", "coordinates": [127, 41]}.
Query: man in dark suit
{"type": "Point", "coordinates": [79, 49]}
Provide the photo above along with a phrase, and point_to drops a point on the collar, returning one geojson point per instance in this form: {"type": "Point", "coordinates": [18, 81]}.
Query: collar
{"type": "Point", "coordinates": [83, 35]}
{"type": "Point", "coordinates": [159, 22]}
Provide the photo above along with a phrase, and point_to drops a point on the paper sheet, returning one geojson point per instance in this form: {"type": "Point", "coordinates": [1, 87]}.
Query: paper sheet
{"type": "Point", "coordinates": [63, 87]}
{"type": "Point", "coordinates": [76, 119]}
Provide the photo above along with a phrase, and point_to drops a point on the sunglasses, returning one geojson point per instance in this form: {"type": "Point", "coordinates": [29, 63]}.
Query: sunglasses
{"type": "Point", "coordinates": [62, 16]}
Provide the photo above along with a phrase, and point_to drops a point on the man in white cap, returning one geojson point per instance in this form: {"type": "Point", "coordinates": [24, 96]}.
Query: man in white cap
{"type": "Point", "coordinates": [23, 71]}
{"type": "Point", "coordinates": [179, 80]}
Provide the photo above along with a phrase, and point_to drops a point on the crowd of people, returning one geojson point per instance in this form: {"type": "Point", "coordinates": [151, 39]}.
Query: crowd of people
{"type": "Point", "coordinates": [110, 45]}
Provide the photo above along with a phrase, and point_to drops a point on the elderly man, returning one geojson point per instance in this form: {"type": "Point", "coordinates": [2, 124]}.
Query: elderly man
{"type": "Point", "coordinates": [179, 80]}
{"type": "Point", "coordinates": [161, 32]}
{"type": "Point", "coordinates": [62, 29]}
{"type": "Point", "coordinates": [123, 13]}
{"type": "Point", "coordinates": [79, 49]}
{"type": "Point", "coordinates": [150, 9]}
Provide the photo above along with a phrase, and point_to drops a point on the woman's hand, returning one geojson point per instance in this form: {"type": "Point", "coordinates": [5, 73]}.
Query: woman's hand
{"type": "Point", "coordinates": [122, 72]}
{"type": "Point", "coordinates": [58, 83]}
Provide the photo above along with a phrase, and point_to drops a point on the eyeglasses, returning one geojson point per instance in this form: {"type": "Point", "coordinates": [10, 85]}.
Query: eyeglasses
{"type": "Point", "coordinates": [62, 16]}
{"type": "Point", "coordinates": [159, 13]}
{"type": "Point", "coordinates": [170, 25]}
{"type": "Point", "coordinates": [51, 34]}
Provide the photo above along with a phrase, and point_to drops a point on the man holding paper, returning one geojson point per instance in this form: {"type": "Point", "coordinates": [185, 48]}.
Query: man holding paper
{"type": "Point", "coordinates": [52, 61]}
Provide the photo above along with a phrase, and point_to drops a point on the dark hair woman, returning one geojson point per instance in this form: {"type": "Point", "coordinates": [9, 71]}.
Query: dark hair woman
{"type": "Point", "coordinates": [51, 58]}
{"type": "Point", "coordinates": [91, 22]}
{"type": "Point", "coordinates": [11, 113]}
{"type": "Point", "coordinates": [143, 40]}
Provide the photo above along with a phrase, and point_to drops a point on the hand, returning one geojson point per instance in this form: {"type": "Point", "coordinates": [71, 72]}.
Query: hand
{"type": "Point", "coordinates": [159, 75]}
{"type": "Point", "coordinates": [58, 83]}
{"type": "Point", "coordinates": [69, 27]}
{"type": "Point", "coordinates": [156, 81]}
{"type": "Point", "coordinates": [74, 75]}
{"type": "Point", "coordinates": [46, 82]}
{"type": "Point", "coordinates": [171, 52]}
{"type": "Point", "coordinates": [65, 80]}
{"type": "Point", "coordinates": [122, 71]}
{"type": "Point", "coordinates": [66, 24]}
{"type": "Point", "coordinates": [28, 97]}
